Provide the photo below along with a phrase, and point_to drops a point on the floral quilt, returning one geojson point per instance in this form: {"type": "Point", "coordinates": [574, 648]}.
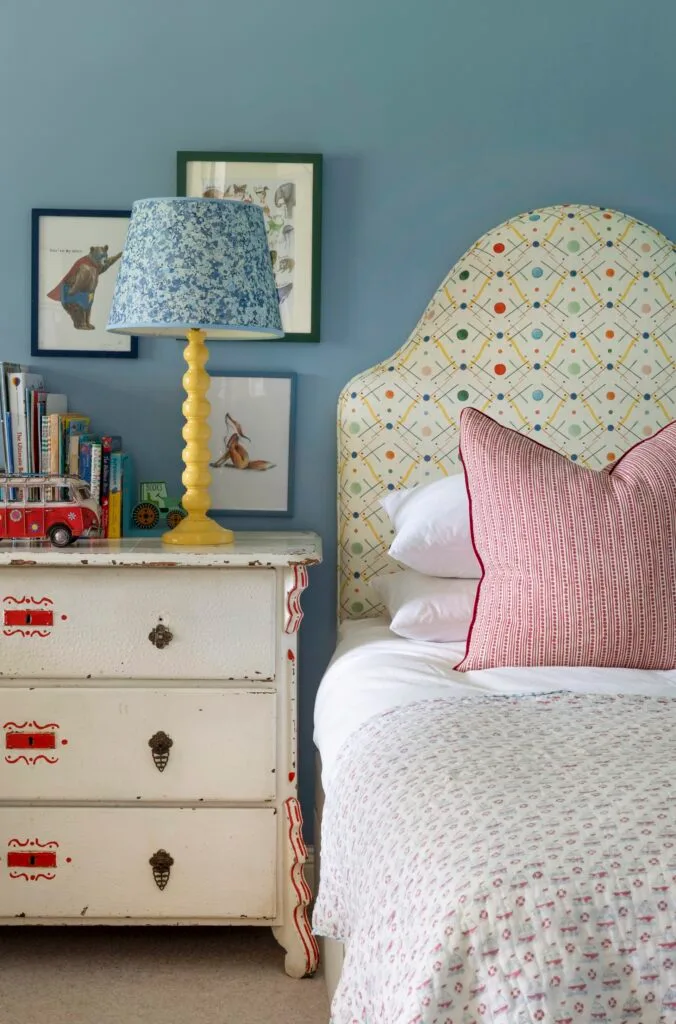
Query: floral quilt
{"type": "Point", "coordinates": [505, 859]}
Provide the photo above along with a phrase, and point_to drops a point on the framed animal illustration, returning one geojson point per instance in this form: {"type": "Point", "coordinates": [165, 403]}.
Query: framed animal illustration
{"type": "Point", "coordinates": [75, 261]}
{"type": "Point", "coordinates": [288, 187]}
{"type": "Point", "coordinates": [252, 436]}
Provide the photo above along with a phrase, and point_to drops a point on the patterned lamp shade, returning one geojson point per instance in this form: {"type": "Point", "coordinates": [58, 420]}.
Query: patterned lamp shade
{"type": "Point", "coordinates": [196, 263]}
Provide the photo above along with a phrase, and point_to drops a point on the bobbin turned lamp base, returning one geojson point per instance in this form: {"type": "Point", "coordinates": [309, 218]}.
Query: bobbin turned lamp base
{"type": "Point", "coordinates": [197, 528]}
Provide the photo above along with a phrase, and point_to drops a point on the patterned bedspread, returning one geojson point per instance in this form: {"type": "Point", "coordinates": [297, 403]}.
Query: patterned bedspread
{"type": "Point", "coordinates": [505, 859]}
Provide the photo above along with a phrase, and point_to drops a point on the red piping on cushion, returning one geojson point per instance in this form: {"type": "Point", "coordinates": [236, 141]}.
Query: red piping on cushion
{"type": "Point", "coordinates": [458, 667]}
{"type": "Point", "coordinates": [637, 445]}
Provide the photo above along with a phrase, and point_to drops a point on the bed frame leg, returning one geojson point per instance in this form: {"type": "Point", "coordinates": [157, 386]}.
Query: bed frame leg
{"type": "Point", "coordinates": [295, 935]}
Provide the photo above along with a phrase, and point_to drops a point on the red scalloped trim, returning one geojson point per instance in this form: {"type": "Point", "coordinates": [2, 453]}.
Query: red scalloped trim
{"type": "Point", "coordinates": [301, 888]}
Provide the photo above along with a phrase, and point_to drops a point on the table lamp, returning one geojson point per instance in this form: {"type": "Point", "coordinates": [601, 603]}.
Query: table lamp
{"type": "Point", "coordinates": [201, 269]}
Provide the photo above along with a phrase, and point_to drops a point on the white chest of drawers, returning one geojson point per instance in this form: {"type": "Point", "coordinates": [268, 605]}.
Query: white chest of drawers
{"type": "Point", "coordinates": [148, 716]}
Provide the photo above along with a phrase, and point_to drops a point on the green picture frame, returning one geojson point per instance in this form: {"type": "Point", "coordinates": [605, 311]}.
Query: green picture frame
{"type": "Point", "coordinates": [288, 186]}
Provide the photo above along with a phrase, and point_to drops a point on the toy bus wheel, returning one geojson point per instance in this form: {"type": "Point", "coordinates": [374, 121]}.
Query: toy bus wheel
{"type": "Point", "coordinates": [174, 517]}
{"type": "Point", "coordinates": [60, 535]}
{"type": "Point", "coordinates": [145, 515]}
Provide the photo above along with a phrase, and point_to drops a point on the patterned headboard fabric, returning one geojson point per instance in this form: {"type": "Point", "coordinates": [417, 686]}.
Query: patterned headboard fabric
{"type": "Point", "coordinates": [560, 322]}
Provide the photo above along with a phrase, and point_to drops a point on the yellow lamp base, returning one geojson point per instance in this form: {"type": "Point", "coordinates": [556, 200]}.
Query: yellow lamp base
{"type": "Point", "coordinates": [196, 528]}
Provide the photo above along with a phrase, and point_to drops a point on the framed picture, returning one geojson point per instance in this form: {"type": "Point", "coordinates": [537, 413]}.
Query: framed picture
{"type": "Point", "coordinates": [252, 423]}
{"type": "Point", "coordinates": [288, 187]}
{"type": "Point", "coordinates": [75, 262]}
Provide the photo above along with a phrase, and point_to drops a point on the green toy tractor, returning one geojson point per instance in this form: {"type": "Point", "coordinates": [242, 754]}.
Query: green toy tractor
{"type": "Point", "coordinates": [154, 504]}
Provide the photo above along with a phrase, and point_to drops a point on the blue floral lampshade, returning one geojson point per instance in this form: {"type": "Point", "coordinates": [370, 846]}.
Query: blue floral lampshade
{"type": "Point", "coordinates": [196, 263]}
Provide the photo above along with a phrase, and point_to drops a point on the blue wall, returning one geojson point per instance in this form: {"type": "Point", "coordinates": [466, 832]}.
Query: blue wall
{"type": "Point", "coordinates": [437, 119]}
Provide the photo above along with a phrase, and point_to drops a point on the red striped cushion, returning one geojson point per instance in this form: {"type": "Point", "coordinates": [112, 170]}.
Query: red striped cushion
{"type": "Point", "coordinates": [579, 566]}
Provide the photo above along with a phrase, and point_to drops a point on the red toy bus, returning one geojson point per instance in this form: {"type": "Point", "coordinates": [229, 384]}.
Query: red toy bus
{"type": "Point", "coordinates": [39, 506]}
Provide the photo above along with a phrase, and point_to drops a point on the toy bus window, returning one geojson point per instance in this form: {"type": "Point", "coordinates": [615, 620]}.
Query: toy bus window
{"type": "Point", "coordinates": [57, 494]}
{"type": "Point", "coordinates": [16, 496]}
{"type": "Point", "coordinates": [34, 495]}
{"type": "Point", "coordinates": [81, 492]}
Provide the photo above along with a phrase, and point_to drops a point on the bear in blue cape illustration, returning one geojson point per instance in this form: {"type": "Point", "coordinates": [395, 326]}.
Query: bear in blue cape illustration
{"type": "Point", "coordinates": [75, 291]}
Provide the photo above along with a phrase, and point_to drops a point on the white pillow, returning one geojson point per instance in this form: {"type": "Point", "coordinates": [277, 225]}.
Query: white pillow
{"type": "Point", "coordinates": [432, 530]}
{"type": "Point", "coordinates": [425, 607]}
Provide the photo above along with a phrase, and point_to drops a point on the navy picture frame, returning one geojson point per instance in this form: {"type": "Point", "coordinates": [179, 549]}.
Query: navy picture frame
{"type": "Point", "coordinates": [36, 285]}
{"type": "Point", "coordinates": [292, 377]}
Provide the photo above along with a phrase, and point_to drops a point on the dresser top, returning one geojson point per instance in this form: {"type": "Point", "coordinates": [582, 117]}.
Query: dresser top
{"type": "Point", "coordinates": [257, 549]}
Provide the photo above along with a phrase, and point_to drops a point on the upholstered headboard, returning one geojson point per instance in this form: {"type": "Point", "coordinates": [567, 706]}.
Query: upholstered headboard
{"type": "Point", "coordinates": [560, 322]}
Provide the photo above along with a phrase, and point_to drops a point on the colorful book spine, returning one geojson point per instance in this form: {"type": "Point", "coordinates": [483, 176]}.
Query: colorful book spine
{"type": "Point", "coordinates": [54, 434]}
{"type": "Point", "coordinates": [75, 426]}
{"type": "Point", "coordinates": [117, 464]}
{"type": "Point", "coordinates": [95, 481]}
{"type": "Point", "coordinates": [109, 444]}
{"type": "Point", "coordinates": [44, 444]}
{"type": "Point", "coordinates": [85, 457]}
{"type": "Point", "coordinates": [17, 385]}
{"type": "Point", "coordinates": [39, 410]}
{"type": "Point", "coordinates": [7, 370]}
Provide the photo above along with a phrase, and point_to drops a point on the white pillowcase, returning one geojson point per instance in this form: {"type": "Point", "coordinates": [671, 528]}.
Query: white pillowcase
{"type": "Point", "coordinates": [432, 529]}
{"type": "Point", "coordinates": [426, 608]}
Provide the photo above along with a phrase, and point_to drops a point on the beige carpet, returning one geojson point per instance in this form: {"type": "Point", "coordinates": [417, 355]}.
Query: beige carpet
{"type": "Point", "coordinates": [152, 976]}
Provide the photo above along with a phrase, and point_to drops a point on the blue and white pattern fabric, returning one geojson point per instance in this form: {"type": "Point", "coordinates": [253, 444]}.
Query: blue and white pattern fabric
{"type": "Point", "coordinates": [196, 263]}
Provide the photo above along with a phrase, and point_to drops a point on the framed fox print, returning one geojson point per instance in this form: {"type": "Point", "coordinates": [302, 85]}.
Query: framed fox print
{"type": "Point", "coordinates": [288, 188]}
{"type": "Point", "coordinates": [251, 444]}
{"type": "Point", "coordinates": [75, 256]}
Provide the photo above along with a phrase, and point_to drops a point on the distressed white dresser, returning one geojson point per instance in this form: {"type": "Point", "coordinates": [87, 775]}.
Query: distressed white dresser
{"type": "Point", "coordinates": [148, 714]}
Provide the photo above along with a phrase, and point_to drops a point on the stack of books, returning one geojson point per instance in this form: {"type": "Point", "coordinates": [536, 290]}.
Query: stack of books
{"type": "Point", "coordinates": [40, 435]}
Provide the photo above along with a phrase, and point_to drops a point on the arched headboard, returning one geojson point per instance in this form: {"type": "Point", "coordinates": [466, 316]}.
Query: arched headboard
{"type": "Point", "coordinates": [560, 322]}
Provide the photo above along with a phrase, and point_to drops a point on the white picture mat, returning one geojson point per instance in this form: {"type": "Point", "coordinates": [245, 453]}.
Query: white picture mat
{"type": "Point", "coordinates": [63, 240]}
{"type": "Point", "coordinates": [262, 406]}
{"type": "Point", "coordinates": [203, 175]}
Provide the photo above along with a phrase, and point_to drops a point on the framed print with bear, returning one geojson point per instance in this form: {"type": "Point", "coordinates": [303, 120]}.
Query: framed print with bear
{"type": "Point", "coordinates": [75, 256]}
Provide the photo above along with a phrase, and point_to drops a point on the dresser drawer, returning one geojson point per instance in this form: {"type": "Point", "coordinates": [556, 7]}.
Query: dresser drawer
{"type": "Point", "coordinates": [138, 623]}
{"type": "Point", "coordinates": [127, 744]}
{"type": "Point", "coordinates": [94, 862]}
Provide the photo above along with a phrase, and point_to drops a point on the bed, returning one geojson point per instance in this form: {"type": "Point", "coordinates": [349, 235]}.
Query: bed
{"type": "Point", "coordinates": [560, 323]}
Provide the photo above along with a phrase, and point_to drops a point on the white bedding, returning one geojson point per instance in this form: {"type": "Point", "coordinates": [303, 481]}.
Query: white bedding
{"type": "Point", "coordinates": [505, 860]}
{"type": "Point", "coordinates": [373, 671]}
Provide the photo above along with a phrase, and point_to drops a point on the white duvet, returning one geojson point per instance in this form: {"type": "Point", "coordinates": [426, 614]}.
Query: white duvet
{"type": "Point", "coordinates": [374, 671]}
{"type": "Point", "coordinates": [490, 857]}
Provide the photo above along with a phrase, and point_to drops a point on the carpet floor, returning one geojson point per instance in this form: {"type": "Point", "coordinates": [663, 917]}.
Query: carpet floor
{"type": "Point", "coordinates": [152, 976]}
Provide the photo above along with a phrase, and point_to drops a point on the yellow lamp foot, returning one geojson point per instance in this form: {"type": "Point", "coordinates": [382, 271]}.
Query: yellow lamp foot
{"type": "Point", "coordinates": [196, 529]}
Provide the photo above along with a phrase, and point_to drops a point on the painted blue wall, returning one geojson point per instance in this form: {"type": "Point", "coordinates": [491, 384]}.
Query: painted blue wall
{"type": "Point", "coordinates": [437, 119]}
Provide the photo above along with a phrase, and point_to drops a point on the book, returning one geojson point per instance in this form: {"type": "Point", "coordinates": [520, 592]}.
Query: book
{"type": "Point", "coordinates": [17, 385]}
{"type": "Point", "coordinates": [50, 429]}
{"type": "Point", "coordinates": [109, 443]}
{"type": "Point", "coordinates": [95, 470]}
{"type": "Point", "coordinates": [44, 444]}
{"type": "Point", "coordinates": [84, 466]}
{"type": "Point", "coordinates": [7, 370]}
{"type": "Point", "coordinates": [54, 419]}
{"type": "Point", "coordinates": [38, 407]}
{"type": "Point", "coordinates": [118, 462]}
{"type": "Point", "coordinates": [74, 426]}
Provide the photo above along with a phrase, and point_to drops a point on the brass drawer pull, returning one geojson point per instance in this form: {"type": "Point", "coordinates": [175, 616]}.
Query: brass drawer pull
{"type": "Point", "coordinates": [161, 863]}
{"type": "Point", "coordinates": [160, 636]}
{"type": "Point", "coordinates": [160, 745]}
